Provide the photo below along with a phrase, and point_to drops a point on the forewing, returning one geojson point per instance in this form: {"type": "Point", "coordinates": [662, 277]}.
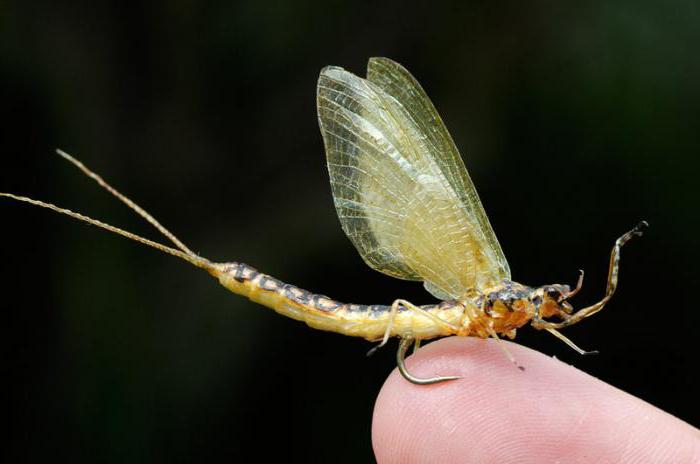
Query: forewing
{"type": "Point", "coordinates": [395, 80]}
{"type": "Point", "coordinates": [399, 186]}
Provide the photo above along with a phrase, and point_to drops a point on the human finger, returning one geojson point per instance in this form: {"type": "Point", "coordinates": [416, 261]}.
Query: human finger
{"type": "Point", "coordinates": [551, 412]}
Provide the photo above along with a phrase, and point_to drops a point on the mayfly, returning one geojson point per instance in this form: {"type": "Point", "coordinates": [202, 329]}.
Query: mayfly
{"type": "Point", "coordinates": [405, 200]}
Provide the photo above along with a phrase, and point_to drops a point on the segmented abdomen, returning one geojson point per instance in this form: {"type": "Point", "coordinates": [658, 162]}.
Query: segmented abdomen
{"type": "Point", "coordinates": [324, 313]}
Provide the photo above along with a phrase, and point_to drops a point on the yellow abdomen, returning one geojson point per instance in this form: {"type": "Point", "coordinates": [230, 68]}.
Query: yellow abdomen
{"type": "Point", "coordinates": [324, 313]}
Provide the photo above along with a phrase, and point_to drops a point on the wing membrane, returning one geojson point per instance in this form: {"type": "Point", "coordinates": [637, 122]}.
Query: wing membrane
{"type": "Point", "coordinates": [399, 185]}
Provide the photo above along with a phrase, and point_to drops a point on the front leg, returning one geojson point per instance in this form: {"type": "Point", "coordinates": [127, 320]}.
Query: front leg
{"type": "Point", "coordinates": [610, 290]}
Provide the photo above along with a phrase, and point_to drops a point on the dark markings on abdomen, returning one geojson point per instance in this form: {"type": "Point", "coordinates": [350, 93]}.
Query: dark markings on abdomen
{"type": "Point", "coordinates": [243, 273]}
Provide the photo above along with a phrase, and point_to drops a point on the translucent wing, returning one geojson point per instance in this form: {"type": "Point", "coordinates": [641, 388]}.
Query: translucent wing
{"type": "Point", "coordinates": [400, 188]}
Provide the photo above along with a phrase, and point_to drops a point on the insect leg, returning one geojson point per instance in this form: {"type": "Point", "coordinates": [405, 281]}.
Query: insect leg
{"type": "Point", "coordinates": [612, 283]}
{"type": "Point", "coordinates": [389, 325]}
{"type": "Point", "coordinates": [499, 342]}
{"type": "Point", "coordinates": [571, 344]}
{"type": "Point", "coordinates": [400, 357]}
{"type": "Point", "coordinates": [429, 315]}
{"type": "Point", "coordinates": [416, 345]}
{"type": "Point", "coordinates": [408, 305]}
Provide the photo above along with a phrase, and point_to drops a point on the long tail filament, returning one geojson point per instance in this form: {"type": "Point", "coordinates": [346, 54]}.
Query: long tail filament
{"type": "Point", "coordinates": [183, 252]}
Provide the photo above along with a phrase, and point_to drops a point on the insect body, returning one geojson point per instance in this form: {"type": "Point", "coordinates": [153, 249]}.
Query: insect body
{"type": "Point", "coordinates": [406, 202]}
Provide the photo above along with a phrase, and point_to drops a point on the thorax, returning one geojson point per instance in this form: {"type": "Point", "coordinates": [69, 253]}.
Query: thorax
{"type": "Point", "coordinates": [501, 308]}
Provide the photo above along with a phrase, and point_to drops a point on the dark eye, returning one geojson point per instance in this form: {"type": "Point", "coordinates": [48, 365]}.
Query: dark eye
{"type": "Point", "coordinates": [552, 293]}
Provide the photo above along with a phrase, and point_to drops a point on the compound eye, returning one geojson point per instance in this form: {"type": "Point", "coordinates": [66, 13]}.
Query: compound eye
{"type": "Point", "coordinates": [553, 293]}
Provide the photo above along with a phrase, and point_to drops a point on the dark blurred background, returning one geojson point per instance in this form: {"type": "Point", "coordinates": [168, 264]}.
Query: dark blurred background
{"type": "Point", "coordinates": [575, 122]}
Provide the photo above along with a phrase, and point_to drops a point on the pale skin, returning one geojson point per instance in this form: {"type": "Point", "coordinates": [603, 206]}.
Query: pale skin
{"type": "Point", "coordinates": [551, 412]}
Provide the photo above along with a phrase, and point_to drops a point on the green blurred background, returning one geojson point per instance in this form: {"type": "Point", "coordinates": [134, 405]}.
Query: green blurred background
{"type": "Point", "coordinates": [575, 122]}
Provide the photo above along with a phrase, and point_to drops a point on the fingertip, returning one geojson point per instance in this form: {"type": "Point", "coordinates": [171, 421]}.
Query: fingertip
{"type": "Point", "coordinates": [498, 413]}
